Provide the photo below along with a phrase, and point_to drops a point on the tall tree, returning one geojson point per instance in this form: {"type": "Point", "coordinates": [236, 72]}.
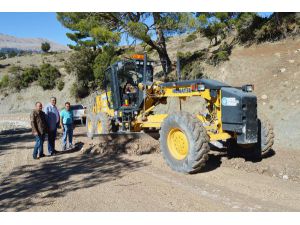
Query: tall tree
{"type": "Point", "coordinates": [216, 24]}
{"type": "Point", "coordinates": [88, 30]}
{"type": "Point", "coordinates": [98, 29]}
{"type": "Point", "coordinates": [45, 46]}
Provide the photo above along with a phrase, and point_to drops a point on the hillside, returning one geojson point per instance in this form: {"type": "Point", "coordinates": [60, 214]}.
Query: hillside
{"type": "Point", "coordinates": [272, 67]}
{"type": "Point", "coordinates": [27, 44]}
{"type": "Point", "coordinates": [117, 167]}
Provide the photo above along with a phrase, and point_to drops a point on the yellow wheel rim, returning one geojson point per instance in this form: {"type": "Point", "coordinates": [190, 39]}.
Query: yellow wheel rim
{"type": "Point", "coordinates": [99, 127]}
{"type": "Point", "coordinates": [89, 125]}
{"type": "Point", "coordinates": [178, 144]}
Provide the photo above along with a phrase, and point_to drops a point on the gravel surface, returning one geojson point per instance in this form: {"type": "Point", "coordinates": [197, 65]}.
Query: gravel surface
{"type": "Point", "coordinates": [121, 173]}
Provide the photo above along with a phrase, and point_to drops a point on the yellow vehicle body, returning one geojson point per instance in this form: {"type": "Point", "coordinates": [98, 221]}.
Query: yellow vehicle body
{"type": "Point", "coordinates": [145, 119]}
{"type": "Point", "coordinates": [131, 101]}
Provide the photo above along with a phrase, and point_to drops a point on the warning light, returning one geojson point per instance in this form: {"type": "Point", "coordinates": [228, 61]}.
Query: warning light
{"type": "Point", "coordinates": [138, 56]}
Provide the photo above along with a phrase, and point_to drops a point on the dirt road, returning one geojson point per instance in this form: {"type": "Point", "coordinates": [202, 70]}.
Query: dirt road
{"type": "Point", "coordinates": [112, 177]}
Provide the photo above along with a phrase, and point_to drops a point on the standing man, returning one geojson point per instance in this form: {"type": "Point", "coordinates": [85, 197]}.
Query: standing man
{"type": "Point", "coordinates": [66, 122]}
{"type": "Point", "coordinates": [39, 129]}
{"type": "Point", "coordinates": [52, 116]}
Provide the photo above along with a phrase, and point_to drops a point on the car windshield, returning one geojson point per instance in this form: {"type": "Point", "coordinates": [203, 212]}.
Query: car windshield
{"type": "Point", "coordinates": [76, 107]}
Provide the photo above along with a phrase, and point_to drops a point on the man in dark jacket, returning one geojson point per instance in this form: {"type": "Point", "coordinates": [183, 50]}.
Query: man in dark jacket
{"type": "Point", "coordinates": [39, 129]}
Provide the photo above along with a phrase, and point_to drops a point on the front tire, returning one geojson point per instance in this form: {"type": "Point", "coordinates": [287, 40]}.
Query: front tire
{"type": "Point", "coordinates": [103, 124]}
{"type": "Point", "coordinates": [184, 142]}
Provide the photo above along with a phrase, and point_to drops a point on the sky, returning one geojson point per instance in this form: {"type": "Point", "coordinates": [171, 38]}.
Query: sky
{"type": "Point", "coordinates": [39, 25]}
{"type": "Point", "coordinates": [33, 25]}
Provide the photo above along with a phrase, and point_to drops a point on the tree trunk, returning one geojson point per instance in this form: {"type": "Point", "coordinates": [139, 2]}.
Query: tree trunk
{"type": "Point", "coordinates": [161, 47]}
{"type": "Point", "coordinates": [165, 61]}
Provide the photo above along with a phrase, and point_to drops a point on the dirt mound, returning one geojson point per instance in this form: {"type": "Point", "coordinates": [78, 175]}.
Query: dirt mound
{"type": "Point", "coordinates": [132, 144]}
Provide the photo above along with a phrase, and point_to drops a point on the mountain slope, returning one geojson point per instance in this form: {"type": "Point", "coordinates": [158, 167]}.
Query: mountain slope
{"type": "Point", "coordinates": [27, 44]}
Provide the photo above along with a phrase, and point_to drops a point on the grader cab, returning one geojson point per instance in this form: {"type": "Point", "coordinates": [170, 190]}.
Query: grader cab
{"type": "Point", "coordinates": [131, 96]}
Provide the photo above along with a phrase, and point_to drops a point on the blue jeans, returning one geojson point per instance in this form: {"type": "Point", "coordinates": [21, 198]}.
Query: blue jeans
{"type": "Point", "coordinates": [68, 133]}
{"type": "Point", "coordinates": [51, 140]}
{"type": "Point", "coordinates": [38, 147]}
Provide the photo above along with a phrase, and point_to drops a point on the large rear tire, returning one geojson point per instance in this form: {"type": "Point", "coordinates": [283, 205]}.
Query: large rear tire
{"type": "Point", "coordinates": [265, 141]}
{"type": "Point", "coordinates": [184, 142]}
{"type": "Point", "coordinates": [265, 135]}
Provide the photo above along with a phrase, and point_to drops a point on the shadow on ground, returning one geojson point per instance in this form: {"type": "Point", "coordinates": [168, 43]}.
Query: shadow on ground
{"type": "Point", "coordinates": [4, 65]}
{"type": "Point", "coordinates": [39, 184]}
{"type": "Point", "coordinates": [215, 157]}
{"type": "Point", "coordinates": [15, 138]}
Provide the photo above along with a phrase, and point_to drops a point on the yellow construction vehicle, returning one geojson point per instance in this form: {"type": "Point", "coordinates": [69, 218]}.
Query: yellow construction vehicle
{"type": "Point", "coordinates": [131, 97]}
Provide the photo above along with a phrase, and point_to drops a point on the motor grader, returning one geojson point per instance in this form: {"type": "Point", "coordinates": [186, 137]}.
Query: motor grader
{"type": "Point", "coordinates": [130, 98]}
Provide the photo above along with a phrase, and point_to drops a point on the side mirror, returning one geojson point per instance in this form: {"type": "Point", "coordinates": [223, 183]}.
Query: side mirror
{"type": "Point", "coordinates": [248, 88]}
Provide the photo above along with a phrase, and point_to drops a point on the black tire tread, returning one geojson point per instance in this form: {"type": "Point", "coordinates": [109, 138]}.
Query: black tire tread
{"type": "Point", "coordinates": [268, 134]}
{"type": "Point", "coordinates": [199, 136]}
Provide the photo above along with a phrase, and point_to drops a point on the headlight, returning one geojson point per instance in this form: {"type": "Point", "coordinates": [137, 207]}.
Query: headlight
{"type": "Point", "coordinates": [248, 88]}
{"type": "Point", "coordinates": [201, 87]}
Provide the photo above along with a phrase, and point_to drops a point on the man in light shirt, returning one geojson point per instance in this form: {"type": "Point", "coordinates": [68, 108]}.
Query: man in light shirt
{"type": "Point", "coordinates": [52, 117]}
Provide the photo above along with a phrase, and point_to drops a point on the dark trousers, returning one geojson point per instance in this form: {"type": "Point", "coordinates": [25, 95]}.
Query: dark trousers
{"type": "Point", "coordinates": [51, 140]}
{"type": "Point", "coordinates": [38, 147]}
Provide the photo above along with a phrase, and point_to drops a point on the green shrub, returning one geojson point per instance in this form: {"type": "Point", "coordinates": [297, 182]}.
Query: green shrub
{"type": "Point", "coordinates": [79, 90]}
{"type": "Point", "coordinates": [12, 54]}
{"type": "Point", "coordinates": [60, 84]}
{"type": "Point", "coordinates": [268, 32]}
{"type": "Point", "coordinates": [2, 55]}
{"type": "Point", "coordinates": [21, 78]}
{"type": "Point", "coordinates": [102, 61]}
{"type": "Point", "coordinates": [81, 63]}
{"type": "Point", "coordinates": [74, 90]}
{"type": "Point", "coordinates": [246, 24]}
{"type": "Point", "coordinates": [190, 37]}
{"type": "Point", "coordinates": [16, 82]}
{"type": "Point", "coordinates": [4, 82]}
{"type": "Point", "coordinates": [190, 64]}
{"type": "Point", "coordinates": [15, 70]}
{"type": "Point", "coordinates": [221, 56]}
{"type": "Point", "coordinates": [184, 55]}
{"type": "Point", "coordinates": [29, 75]}
{"type": "Point", "coordinates": [48, 75]}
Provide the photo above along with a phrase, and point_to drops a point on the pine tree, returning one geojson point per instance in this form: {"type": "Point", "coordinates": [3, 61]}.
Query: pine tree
{"type": "Point", "coordinates": [96, 30]}
{"type": "Point", "coordinates": [45, 46]}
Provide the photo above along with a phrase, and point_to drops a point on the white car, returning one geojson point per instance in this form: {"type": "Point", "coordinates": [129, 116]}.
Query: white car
{"type": "Point", "coordinates": [79, 113]}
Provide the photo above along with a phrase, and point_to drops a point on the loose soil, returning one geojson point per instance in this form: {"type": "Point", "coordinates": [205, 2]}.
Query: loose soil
{"type": "Point", "coordinates": [127, 173]}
